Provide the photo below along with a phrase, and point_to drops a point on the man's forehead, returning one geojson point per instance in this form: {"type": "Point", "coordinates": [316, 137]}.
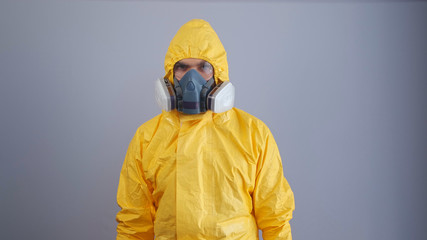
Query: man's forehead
{"type": "Point", "coordinates": [191, 61]}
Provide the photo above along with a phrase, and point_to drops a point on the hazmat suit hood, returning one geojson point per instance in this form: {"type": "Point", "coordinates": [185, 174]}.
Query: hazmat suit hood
{"type": "Point", "coordinates": [197, 39]}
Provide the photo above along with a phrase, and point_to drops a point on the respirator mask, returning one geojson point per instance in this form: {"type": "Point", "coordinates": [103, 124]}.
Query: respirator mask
{"type": "Point", "coordinates": [192, 94]}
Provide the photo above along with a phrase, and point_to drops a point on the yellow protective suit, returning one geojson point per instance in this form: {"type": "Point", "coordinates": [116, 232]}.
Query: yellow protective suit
{"type": "Point", "coordinates": [204, 176]}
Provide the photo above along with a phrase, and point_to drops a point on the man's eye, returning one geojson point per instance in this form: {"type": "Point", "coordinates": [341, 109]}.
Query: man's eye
{"type": "Point", "coordinates": [207, 67]}
{"type": "Point", "coordinates": [181, 67]}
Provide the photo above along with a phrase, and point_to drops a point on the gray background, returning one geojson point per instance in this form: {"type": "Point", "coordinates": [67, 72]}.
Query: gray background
{"type": "Point", "coordinates": [342, 86]}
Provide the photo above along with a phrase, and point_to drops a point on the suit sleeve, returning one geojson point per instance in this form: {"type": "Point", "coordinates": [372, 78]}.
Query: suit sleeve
{"type": "Point", "coordinates": [134, 197]}
{"type": "Point", "coordinates": [273, 198]}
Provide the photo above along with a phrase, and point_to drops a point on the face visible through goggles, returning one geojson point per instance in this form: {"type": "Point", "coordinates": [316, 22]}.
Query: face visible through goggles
{"type": "Point", "coordinates": [204, 68]}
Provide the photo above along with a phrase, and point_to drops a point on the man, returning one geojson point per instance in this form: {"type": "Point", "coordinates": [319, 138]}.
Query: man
{"type": "Point", "coordinates": [195, 173]}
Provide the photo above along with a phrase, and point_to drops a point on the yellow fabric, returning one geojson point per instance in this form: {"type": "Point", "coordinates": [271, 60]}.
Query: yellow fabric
{"type": "Point", "coordinates": [204, 176]}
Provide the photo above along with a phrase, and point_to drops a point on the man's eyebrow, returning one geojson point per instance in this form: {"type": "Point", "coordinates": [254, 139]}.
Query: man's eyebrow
{"type": "Point", "coordinates": [179, 63]}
